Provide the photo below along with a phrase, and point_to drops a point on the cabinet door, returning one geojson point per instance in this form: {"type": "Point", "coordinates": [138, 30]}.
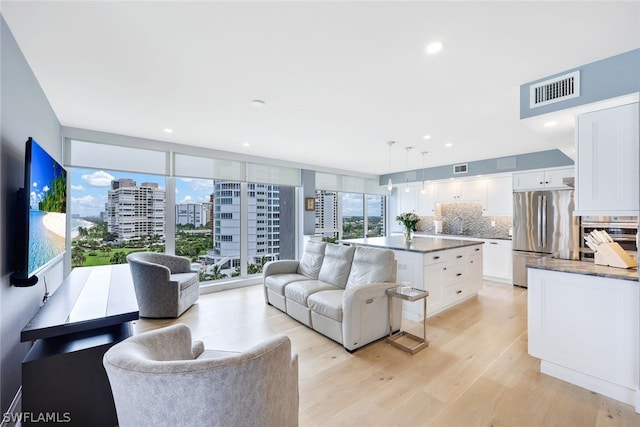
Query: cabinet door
{"type": "Point", "coordinates": [433, 282]}
{"type": "Point", "coordinates": [554, 179]}
{"type": "Point", "coordinates": [426, 200]}
{"type": "Point", "coordinates": [607, 162]}
{"type": "Point", "coordinates": [498, 197]}
{"type": "Point", "coordinates": [448, 191]}
{"type": "Point", "coordinates": [471, 190]}
{"type": "Point", "coordinates": [528, 180]}
{"type": "Point", "coordinates": [407, 200]}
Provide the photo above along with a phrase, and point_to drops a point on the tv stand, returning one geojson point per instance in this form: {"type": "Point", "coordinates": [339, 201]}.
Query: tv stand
{"type": "Point", "coordinates": [62, 374]}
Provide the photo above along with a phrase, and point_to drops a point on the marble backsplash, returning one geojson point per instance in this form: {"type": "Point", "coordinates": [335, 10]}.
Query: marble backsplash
{"type": "Point", "coordinates": [465, 218]}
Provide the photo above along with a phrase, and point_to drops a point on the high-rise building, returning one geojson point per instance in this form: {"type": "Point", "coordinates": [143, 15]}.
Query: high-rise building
{"type": "Point", "coordinates": [135, 212]}
{"type": "Point", "coordinates": [327, 213]}
{"type": "Point", "coordinates": [263, 228]}
{"type": "Point", "coordinates": [192, 213]}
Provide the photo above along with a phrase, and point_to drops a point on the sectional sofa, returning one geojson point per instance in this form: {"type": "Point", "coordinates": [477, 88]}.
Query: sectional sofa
{"type": "Point", "coordinates": [339, 291]}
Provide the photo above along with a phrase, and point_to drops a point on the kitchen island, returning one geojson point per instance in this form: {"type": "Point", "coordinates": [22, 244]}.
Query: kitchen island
{"type": "Point", "coordinates": [583, 323]}
{"type": "Point", "coordinates": [450, 269]}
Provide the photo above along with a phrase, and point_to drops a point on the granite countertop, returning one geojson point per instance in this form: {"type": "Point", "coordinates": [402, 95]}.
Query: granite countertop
{"type": "Point", "coordinates": [420, 244]}
{"type": "Point", "coordinates": [463, 236]}
{"type": "Point", "coordinates": [584, 267]}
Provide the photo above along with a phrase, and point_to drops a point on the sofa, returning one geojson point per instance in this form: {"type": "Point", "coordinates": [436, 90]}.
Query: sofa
{"type": "Point", "coordinates": [338, 291]}
{"type": "Point", "coordinates": [163, 378]}
{"type": "Point", "coordinates": [165, 285]}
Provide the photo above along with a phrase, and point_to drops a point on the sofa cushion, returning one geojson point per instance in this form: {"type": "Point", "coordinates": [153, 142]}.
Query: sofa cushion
{"type": "Point", "coordinates": [312, 259]}
{"type": "Point", "coordinates": [371, 265]}
{"type": "Point", "coordinates": [300, 291]}
{"type": "Point", "coordinates": [327, 303]}
{"type": "Point", "coordinates": [277, 282]}
{"type": "Point", "coordinates": [336, 264]}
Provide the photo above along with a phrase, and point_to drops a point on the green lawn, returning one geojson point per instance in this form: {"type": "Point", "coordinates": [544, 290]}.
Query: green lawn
{"type": "Point", "coordinates": [101, 259]}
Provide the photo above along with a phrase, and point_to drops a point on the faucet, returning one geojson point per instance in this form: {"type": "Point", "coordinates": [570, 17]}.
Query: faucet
{"type": "Point", "coordinates": [458, 225]}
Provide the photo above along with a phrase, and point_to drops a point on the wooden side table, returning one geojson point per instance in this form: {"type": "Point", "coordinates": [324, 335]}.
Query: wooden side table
{"type": "Point", "coordinates": [408, 294]}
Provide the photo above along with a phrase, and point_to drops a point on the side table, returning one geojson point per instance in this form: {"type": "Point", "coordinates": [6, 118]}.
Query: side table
{"type": "Point", "coordinates": [408, 294]}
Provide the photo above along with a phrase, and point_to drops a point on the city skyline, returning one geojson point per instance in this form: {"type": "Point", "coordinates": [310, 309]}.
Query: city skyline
{"type": "Point", "coordinates": [89, 189]}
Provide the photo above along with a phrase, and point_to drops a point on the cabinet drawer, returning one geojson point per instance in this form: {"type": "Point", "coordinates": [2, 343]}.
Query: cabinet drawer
{"type": "Point", "coordinates": [452, 255]}
{"type": "Point", "coordinates": [456, 291]}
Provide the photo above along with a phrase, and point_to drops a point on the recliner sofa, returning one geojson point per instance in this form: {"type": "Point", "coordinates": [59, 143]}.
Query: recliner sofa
{"type": "Point", "coordinates": [339, 291]}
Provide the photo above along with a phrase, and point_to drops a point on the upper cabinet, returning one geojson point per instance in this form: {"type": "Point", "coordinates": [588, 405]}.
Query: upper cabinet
{"type": "Point", "coordinates": [607, 152]}
{"type": "Point", "coordinates": [460, 190]}
{"type": "Point", "coordinates": [549, 179]}
{"type": "Point", "coordinates": [498, 197]}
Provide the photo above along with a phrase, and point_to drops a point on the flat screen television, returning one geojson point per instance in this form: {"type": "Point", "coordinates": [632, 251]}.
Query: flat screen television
{"type": "Point", "coordinates": [40, 223]}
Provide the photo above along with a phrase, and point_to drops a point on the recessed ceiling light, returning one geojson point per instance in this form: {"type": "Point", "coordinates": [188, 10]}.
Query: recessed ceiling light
{"type": "Point", "coordinates": [167, 130]}
{"type": "Point", "coordinates": [426, 137]}
{"type": "Point", "coordinates": [434, 47]}
{"type": "Point", "coordinates": [246, 144]}
{"type": "Point", "coordinates": [550, 124]}
{"type": "Point", "coordinates": [448, 144]}
{"type": "Point", "coordinates": [258, 103]}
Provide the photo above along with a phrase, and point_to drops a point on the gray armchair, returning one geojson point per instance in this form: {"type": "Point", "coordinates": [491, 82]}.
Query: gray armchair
{"type": "Point", "coordinates": [165, 285]}
{"type": "Point", "coordinates": [162, 378]}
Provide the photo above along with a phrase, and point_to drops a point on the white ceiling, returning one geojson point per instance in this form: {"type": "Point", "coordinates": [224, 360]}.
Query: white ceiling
{"type": "Point", "coordinates": [339, 79]}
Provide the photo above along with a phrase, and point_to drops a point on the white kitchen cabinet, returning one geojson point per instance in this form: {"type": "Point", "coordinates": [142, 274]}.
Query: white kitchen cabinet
{"type": "Point", "coordinates": [585, 331]}
{"type": "Point", "coordinates": [460, 190]}
{"type": "Point", "coordinates": [451, 276]}
{"type": "Point", "coordinates": [542, 179]}
{"type": "Point", "coordinates": [497, 196]}
{"type": "Point", "coordinates": [607, 162]}
{"type": "Point", "coordinates": [408, 200]}
{"type": "Point", "coordinates": [426, 199]}
{"type": "Point", "coordinates": [497, 260]}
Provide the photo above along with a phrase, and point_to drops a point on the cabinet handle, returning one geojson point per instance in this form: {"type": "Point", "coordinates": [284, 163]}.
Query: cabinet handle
{"type": "Point", "coordinates": [436, 257]}
{"type": "Point", "coordinates": [476, 249]}
{"type": "Point", "coordinates": [444, 268]}
{"type": "Point", "coordinates": [493, 243]}
{"type": "Point", "coordinates": [458, 292]}
{"type": "Point", "coordinates": [459, 256]}
{"type": "Point", "coordinates": [459, 274]}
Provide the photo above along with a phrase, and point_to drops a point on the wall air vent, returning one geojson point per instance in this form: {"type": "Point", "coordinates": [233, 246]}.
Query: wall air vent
{"type": "Point", "coordinates": [461, 168]}
{"type": "Point", "coordinates": [553, 90]}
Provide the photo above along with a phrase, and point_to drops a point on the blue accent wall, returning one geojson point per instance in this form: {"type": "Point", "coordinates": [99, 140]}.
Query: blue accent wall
{"type": "Point", "coordinates": [519, 162]}
{"type": "Point", "coordinates": [608, 78]}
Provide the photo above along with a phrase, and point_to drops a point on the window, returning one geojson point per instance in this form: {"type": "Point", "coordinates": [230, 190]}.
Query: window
{"type": "Point", "coordinates": [347, 215]}
{"type": "Point", "coordinates": [115, 213]}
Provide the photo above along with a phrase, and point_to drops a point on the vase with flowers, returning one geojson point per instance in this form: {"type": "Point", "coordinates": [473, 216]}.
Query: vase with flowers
{"type": "Point", "coordinates": [408, 220]}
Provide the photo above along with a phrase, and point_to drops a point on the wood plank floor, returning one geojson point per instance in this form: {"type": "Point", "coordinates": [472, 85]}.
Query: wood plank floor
{"type": "Point", "coordinates": [475, 372]}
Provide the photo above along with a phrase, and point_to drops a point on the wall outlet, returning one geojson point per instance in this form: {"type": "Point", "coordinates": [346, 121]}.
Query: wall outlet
{"type": "Point", "coordinates": [493, 223]}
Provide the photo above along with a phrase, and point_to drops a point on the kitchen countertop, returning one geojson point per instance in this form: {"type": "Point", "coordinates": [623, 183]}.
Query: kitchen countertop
{"type": "Point", "coordinates": [584, 267]}
{"type": "Point", "coordinates": [462, 236]}
{"type": "Point", "coordinates": [420, 244]}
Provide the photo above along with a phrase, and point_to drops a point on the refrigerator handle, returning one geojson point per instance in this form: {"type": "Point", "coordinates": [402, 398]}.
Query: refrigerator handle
{"type": "Point", "coordinates": [539, 228]}
{"type": "Point", "coordinates": [543, 231]}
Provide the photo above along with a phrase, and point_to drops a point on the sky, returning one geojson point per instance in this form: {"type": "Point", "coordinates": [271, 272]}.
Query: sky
{"type": "Point", "coordinates": [89, 191]}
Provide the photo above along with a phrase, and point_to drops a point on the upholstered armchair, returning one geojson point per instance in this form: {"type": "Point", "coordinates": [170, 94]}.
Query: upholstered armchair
{"type": "Point", "coordinates": [165, 285]}
{"type": "Point", "coordinates": [162, 378]}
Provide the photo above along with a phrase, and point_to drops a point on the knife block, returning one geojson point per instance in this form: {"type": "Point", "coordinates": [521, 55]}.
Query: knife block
{"type": "Point", "coordinates": [613, 255]}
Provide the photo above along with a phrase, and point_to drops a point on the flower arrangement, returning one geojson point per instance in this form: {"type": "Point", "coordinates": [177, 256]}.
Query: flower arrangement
{"type": "Point", "coordinates": [409, 220]}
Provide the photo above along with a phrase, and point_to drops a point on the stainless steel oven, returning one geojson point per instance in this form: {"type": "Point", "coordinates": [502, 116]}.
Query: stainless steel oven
{"type": "Point", "coordinates": [622, 229]}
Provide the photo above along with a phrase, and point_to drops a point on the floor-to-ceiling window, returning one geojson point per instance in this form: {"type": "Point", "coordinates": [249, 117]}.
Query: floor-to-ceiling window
{"type": "Point", "coordinates": [342, 215]}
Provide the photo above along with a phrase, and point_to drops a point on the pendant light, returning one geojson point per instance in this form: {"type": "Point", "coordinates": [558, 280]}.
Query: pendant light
{"type": "Point", "coordinates": [406, 178]}
{"type": "Point", "coordinates": [424, 190]}
{"type": "Point", "coordinates": [390, 184]}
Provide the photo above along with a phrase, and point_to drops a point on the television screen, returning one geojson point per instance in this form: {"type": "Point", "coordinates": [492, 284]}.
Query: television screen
{"type": "Point", "coordinates": [42, 207]}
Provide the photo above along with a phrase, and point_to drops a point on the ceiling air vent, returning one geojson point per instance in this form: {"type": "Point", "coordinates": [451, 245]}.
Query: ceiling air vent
{"type": "Point", "coordinates": [554, 90]}
{"type": "Point", "coordinates": [461, 168]}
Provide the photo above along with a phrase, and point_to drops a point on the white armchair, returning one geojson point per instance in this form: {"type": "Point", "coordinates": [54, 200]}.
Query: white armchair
{"type": "Point", "coordinates": [162, 378]}
{"type": "Point", "coordinates": [165, 285]}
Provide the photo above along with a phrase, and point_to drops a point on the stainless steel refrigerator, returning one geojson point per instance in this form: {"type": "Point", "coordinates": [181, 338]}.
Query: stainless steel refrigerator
{"type": "Point", "coordinates": [543, 224]}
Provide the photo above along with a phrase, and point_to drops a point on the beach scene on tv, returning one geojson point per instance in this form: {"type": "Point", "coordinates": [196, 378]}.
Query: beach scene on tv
{"type": "Point", "coordinates": [48, 207]}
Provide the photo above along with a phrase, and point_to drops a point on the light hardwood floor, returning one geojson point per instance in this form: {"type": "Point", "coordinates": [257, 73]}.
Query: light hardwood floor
{"type": "Point", "coordinates": [475, 372]}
